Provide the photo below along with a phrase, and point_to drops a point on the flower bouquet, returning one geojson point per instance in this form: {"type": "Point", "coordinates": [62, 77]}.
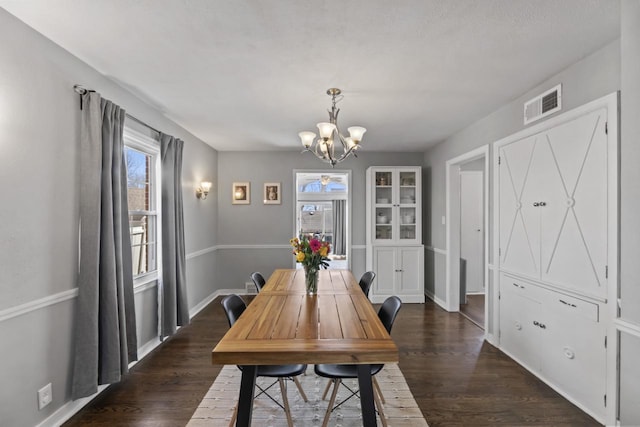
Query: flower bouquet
{"type": "Point", "coordinates": [312, 254]}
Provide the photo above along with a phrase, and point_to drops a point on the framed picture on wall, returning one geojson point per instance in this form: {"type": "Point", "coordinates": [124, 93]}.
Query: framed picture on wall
{"type": "Point", "coordinates": [271, 193]}
{"type": "Point", "coordinates": [241, 193]}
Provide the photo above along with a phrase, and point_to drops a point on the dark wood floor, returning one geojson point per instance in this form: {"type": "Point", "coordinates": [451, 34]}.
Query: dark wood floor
{"type": "Point", "coordinates": [456, 378]}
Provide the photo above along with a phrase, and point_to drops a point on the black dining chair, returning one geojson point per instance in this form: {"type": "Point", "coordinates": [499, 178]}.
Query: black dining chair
{"type": "Point", "coordinates": [336, 373]}
{"type": "Point", "coordinates": [234, 306]}
{"type": "Point", "coordinates": [258, 280]}
{"type": "Point", "coordinates": [365, 282]}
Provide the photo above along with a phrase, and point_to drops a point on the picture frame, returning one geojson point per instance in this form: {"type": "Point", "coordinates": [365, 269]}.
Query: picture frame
{"type": "Point", "coordinates": [271, 194]}
{"type": "Point", "coordinates": [241, 193]}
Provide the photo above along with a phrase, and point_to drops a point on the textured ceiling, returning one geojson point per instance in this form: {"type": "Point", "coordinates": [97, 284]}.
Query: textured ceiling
{"type": "Point", "coordinates": [249, 75]}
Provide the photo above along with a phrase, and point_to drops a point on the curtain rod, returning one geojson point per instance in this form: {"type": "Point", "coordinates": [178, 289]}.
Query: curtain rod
{"type": "Point", "coordinates": [81, 90]}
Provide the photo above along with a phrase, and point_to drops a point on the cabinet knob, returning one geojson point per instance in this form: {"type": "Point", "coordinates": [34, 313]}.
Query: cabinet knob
{"type": "Point", "coordinates": [543, 203]}
{"type": "Point", "coordinates": [536, 323]}
{"type": "Point", "coordinates": [569, 353]}
{"type": "Point", "coordinates": [536, 204]}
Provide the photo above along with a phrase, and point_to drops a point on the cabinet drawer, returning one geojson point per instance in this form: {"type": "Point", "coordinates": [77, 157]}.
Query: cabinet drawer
{"type": "Point", "coordinates": [553, 300]}
{"type": "Point", "coordinates": [521, 288]}
{"type": "Point", "coordinates": [573, 306]}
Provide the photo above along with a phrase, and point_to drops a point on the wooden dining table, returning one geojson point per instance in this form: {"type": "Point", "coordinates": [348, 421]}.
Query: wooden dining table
{"type": "Point", "coordinates": [283, 325]}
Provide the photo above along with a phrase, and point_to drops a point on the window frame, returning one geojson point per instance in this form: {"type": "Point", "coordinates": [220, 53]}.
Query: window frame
{"type": "Point", "coordinates": [151, 147]}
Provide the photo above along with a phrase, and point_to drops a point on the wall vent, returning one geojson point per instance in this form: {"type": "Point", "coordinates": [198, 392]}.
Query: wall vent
{"type": "Point", "coordinates": [250, 288]}
{"type": "Point", "coordinates": [542, 105]}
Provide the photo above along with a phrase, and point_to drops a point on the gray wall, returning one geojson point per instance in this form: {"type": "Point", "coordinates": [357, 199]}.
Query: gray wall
{"type": "Point", "coordinates": [269, 227]}
{"type": "Point", "coordinates": [591, 78]}
{"type": "Point", "coordinates": [39, 163]}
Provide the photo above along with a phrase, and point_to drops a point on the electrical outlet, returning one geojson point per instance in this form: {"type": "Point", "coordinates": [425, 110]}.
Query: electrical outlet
{"type": "Point", "coordinates": [45, 395]}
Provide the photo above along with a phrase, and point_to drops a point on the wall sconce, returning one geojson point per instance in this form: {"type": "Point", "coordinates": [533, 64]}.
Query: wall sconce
{"type": "Point", "coordinates": [203, 190]}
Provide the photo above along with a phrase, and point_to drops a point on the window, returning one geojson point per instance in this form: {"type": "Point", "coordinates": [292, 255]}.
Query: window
{"type": "Point", "coordinates": [142, 155]}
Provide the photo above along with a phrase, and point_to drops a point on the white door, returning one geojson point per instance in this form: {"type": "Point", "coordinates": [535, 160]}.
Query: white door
{"type": "Point", "coordinates": [471, 230]}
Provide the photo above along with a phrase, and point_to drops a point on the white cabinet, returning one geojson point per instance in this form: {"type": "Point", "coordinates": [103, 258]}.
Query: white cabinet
{"type": "Point", "coordinates": [394, 205]}
{"type": "Point", "coordinates": [558, 337]}
{"type": "Point", "coordinates": [553, 205]}
{"type": "Point", "coordinates": [399, 271]}
{"type": "Point", "coordinates": [556, 237]}
{"type": "Point", "coordinates": [394, 232]}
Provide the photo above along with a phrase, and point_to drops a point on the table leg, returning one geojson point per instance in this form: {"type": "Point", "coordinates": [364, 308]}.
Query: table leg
{"type": "Point", "coordinates": [245, 400]}
{"type": "Point", "coordinates": [366, 396]}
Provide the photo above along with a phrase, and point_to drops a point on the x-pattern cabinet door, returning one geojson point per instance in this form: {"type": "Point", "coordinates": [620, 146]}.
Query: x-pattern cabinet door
{"type": "Point", "coordinates": [553, 204]}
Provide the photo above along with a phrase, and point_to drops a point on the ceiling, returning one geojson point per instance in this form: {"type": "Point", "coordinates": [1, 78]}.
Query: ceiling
{"type": "Point", "coordinates": [249, 75]}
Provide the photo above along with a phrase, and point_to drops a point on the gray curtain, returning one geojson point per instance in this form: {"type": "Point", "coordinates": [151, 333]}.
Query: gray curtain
{"type": "Point", "coordinates": [339, 227]}
{"type": "Point", "coordinates": [174, 309]}
{"type": "Point", "coordinates": [105, 334]}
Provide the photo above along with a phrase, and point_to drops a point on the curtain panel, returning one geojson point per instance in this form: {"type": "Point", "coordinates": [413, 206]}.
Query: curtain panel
{"type": "Point", "coordinates": [339, 227]}
{"type": "Point", "coordinates": [105, 334]}
{"type": "Point", "coordinates": [174, 309]}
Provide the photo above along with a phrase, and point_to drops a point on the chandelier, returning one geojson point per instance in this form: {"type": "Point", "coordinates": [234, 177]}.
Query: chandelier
{"type": "Point", "coordinates": [324, 147]}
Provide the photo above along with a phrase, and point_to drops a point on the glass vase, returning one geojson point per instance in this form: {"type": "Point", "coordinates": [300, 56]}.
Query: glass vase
{"type": "Point", "coordinates": [311, 279]}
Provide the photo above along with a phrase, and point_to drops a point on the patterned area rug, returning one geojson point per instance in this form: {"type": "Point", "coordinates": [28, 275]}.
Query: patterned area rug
{"type": "Point", "coordinates": [216, 409]}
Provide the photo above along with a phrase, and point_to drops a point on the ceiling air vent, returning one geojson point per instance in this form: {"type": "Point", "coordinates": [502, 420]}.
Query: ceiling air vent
{"type": "Point", "coordinates": [542, 105]}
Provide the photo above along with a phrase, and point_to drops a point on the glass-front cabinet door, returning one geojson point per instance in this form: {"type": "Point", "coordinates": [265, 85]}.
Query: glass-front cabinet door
{"type": "Point", "coordinates": [394, 199]}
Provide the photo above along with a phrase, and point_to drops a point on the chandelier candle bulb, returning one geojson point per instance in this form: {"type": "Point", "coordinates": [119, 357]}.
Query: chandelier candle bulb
{"type": "Point", "coordinates": [356, 133]}
{"type": "Point", "coordinates": [326, 130]}
{"type": "Point", "coordinates": [307, 138]}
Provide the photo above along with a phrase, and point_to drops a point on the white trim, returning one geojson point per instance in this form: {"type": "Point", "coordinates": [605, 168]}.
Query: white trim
{"type": "Point", "coordinates": [69, 409]}
{"type": "Point", "coordinates": [145, 286]}
{"type": "Point", "coordinates": [19, 310]}
{"type": "Point", "coordinates": [453, 266]}
{"type": "Point", "coordinates": [436, 250]}
{"type": "Point", "coordinates": [287, 246]}
{"type": "Point", "coordinates": [202, 304]}
{"type": "Point", "coordinates": [435, 299]}
{"type": "Point", "coordinates": [491, 267]}
{"type": "Point", "coordinates": [359, 247]}
{"type": "Point", "coordinates": [201, 252]}
{"type": "Point", "coordinates": [627, 327]}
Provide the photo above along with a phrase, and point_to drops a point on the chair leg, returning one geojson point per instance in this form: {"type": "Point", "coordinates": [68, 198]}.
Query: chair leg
{"type": "Point", "coordinates": [326, 389]}
{"type": "Point", "coordinates": [383, 417]}
{"type": "Point", "coordinates": [377, 387]}
{"type": "Point", "coordinates": [336, 385]}
{"type": "Point", "coordinates": [235, 415]}
{"type": "Point", "coordinates": [304, 396]}
{"type": "Point", "coordinates": [285, 401]}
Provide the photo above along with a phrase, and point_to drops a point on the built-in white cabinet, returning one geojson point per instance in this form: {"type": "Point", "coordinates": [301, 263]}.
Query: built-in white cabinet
{"type": "Point", "coordinates": [558, 337]}
{"type": "Point", "coordinates": [553, 204]}
{"type": "Point", "coordinates": [394, 232]}
{"type": "Point", "coordinates": [399, 272]}
{"type": "Point", "coordinates": [394, 205]}
{"type": "Point", "coordinates": [556, 240]}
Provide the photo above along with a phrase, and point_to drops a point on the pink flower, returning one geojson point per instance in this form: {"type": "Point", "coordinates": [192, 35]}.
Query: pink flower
{"type": "Point", "coordinates": [314, 244]}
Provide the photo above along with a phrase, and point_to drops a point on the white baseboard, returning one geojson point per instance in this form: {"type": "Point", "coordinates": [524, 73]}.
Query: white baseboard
{"type": "Point", "coordinates": [205, 302]}
{"type": "Point", "coordinates": [435, 299]}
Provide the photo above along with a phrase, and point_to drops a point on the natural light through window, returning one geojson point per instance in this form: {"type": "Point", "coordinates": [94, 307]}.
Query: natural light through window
{"type": "Point", "coordinates": [141, 158]}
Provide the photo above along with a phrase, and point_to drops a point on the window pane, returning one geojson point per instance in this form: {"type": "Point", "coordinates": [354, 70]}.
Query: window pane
{"type": "Point", "coordinates": [143, 245]}
{"type": "Point", "coordinates": [138, 180]}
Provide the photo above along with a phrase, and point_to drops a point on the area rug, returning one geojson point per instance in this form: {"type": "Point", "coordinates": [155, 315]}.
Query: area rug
{"type": "Point", "coordinates": [216, 409]}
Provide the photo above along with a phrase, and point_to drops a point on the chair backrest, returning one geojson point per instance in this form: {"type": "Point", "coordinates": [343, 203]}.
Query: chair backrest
{"type": "Point", "coordinates": [389, 311]}
{"type": "Point", "coordinates": [258, 280]}
{"type": "Point", "coordinates": [366, 280]}
{"type": "Point", "coordinates": [233, 306]}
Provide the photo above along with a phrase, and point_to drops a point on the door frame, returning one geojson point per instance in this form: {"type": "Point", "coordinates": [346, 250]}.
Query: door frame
{"type": "Point", "coordinates": [452, 232]}
{"type": "Point", "coordinates": [346, 172]}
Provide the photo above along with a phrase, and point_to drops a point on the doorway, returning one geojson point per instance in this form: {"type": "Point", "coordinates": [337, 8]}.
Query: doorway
{"type": "Point", "coordinates": [466, 277]}
{"type": "Point", "coordinates": [472, 235]}
{"type": "Point", "coordinates": [322, 211]}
